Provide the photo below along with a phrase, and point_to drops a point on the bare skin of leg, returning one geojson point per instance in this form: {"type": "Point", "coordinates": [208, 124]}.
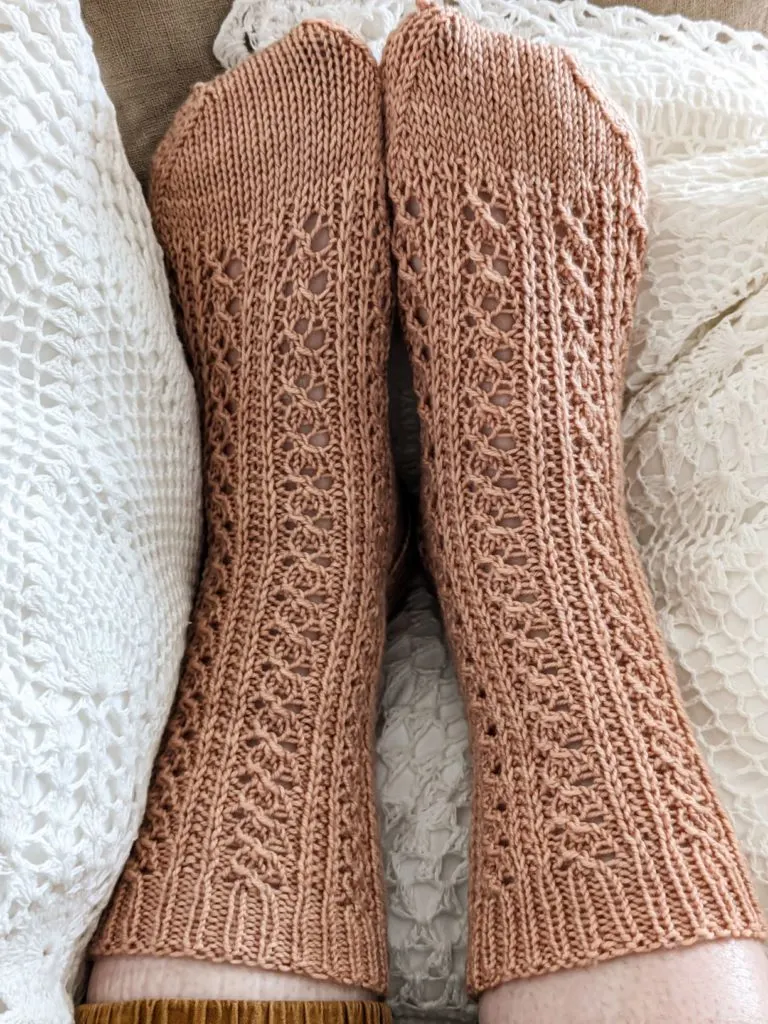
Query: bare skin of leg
{"type": "Point", "coordinates": [118, 979]}
{"type": "Point", "coordinates": [712, 983]}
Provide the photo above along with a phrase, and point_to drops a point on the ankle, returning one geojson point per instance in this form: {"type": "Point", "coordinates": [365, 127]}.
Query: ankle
{"type": "Point", "coordinates": [119, 979]}
{"type": "Point", "coordinates": [715, 981]}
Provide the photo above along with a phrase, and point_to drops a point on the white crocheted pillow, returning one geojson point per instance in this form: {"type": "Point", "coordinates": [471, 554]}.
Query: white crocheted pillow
{"type": "Point", "coordinates": [99, 504]}
{"type": "Point", "coordinates": [696, 435]}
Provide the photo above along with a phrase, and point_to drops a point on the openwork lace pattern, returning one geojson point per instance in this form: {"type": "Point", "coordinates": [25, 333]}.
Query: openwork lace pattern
{"type": "Point", "coordinates": [99, 504]}
{"type": "Point", "coordinates": [254, 24]}
{"type": "Point", "coordinates": [260, 844]}
{"type": "Point", "coordinates": [519, 238]}
{"type": "Point", "coordinates": [424, 791]}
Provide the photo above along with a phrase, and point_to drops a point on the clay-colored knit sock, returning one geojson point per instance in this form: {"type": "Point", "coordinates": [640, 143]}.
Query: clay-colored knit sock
{"type": "Point", "coordinates": [260, 842]}
{"type": "Point", "coordinates": [519, 236]}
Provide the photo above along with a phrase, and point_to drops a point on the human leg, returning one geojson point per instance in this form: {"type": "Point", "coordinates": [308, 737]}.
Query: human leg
{"type": "Point", "coordinates": [519, 235]}
{"type": "Point", "coordinates": [257, 869]}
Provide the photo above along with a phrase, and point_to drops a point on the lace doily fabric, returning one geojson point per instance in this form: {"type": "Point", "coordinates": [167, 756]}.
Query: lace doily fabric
{"type": "Point", "coordinates": [696, 445]}
{"type": "Point", "coordinates": [99, 504]}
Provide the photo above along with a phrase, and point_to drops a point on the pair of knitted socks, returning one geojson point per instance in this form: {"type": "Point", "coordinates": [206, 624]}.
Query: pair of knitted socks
{"type": "Point", "coordinates": [518, 233]}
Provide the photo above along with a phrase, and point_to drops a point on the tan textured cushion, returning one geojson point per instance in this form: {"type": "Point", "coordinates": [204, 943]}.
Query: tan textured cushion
{"type": "Point", "coordinates": [152, 51]}
{"type": "Point", "coordinates": [751, 14]}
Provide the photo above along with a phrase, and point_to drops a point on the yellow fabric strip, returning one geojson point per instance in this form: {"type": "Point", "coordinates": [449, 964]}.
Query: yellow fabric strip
{"type": "Point", "coordinates": [217, 1011]}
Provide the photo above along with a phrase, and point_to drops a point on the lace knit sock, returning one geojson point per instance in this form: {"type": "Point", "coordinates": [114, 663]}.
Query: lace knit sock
{"type": "Point", "coordinates": [260, 842]}
{"type": "Point", "coordinates": [519, 237]}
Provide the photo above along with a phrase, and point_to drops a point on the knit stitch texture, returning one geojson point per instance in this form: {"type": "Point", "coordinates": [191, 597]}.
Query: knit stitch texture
{"type": "Point", "coordinates": [695, 443]}
{"type": "Point", "coordinates": [260, 845]}
{"type": "Point", "coordinates": [519, 236]}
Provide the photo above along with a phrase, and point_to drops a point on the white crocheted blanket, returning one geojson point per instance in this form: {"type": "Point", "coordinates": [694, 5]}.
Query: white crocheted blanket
{"type": "Point", "coordinates": [696, 435]}
{"type": "Point", "coordinates": [99, 504]}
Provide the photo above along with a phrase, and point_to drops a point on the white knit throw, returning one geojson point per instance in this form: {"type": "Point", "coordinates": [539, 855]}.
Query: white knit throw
{"type": "Point", "coordinates": [696, 434]}
{"type": "Point", "coordinates": [99, 504]}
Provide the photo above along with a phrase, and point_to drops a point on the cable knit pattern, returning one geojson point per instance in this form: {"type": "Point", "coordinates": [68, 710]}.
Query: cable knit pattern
{"type": "Point", "coordinates": [260, 845]}
{"type": "Point", "coordinates": [99, 504]}
{"type": "Point", "coordinates": [519, 238]}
